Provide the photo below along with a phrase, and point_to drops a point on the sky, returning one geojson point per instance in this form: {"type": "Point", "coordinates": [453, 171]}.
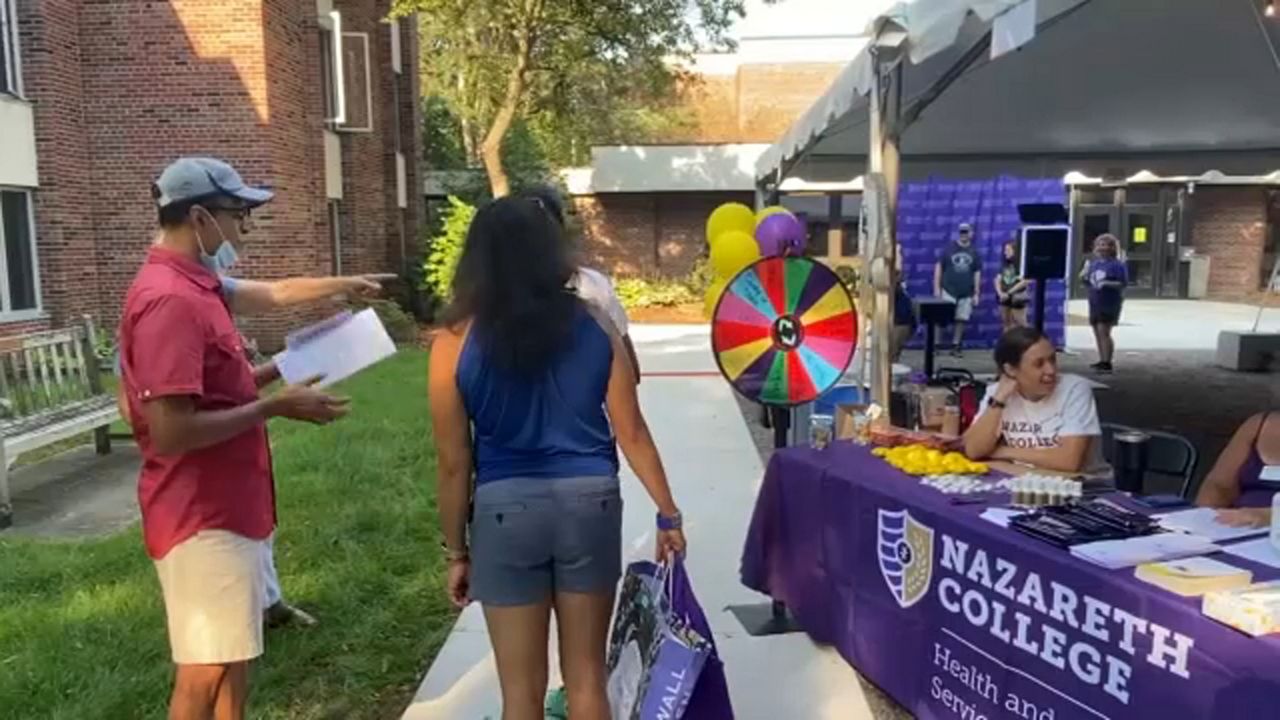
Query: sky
{"type": "Point", "coordinates": [802, 18]}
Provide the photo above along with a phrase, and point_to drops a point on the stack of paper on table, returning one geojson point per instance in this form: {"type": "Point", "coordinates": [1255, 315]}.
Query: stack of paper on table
{"type": "Point", "coordinates": [1116, 554]}
{"type": "Point", "coordinates": [335, 349]}
{"type": "Point", "coordinates": [1253, 609]}
{"type": "Point", "coordinates": [1193, 576]}
{"type": "Point", "coordinates": [1259, 551]}
{"type": "Point", "coordinates": [1204, 522]}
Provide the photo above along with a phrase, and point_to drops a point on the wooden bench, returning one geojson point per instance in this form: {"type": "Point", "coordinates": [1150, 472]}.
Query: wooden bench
{"type": "Point", "coordinates": [50, 390]}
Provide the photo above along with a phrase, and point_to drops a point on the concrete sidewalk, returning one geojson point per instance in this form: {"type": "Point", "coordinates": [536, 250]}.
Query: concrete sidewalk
{"type": "Point", "coordinates": [715, 473]}
{"type": "Point", "coordinates": [1173, 324]}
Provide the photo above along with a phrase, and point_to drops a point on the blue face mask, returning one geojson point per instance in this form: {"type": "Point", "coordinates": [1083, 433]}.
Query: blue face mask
{"type": "Point", "coordinates": [222, 259]}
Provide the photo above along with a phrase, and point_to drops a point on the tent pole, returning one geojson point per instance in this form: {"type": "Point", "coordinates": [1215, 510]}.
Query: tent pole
{"type": "Point", "coordinates": [885, 165]}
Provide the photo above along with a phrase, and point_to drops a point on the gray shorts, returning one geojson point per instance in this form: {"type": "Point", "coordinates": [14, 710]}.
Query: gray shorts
{"type": "Point", "coordinates": [964, 306]}
{"type": "Point", "coordinates": [531, 538]}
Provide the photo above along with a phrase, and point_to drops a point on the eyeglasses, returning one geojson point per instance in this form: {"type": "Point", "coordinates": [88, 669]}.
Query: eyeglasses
{"type": "Point", "coordinates": [240, 214]}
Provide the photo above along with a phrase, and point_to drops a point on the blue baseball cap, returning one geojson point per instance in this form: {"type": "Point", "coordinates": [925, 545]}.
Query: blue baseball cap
{"type": "Point", "coordinates": [197, 178]}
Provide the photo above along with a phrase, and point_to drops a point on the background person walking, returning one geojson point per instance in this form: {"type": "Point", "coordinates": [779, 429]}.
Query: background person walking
{"type": "Point", "coordinates": [1106, 276]}
{"type": "Point", "coordinates": [958, 278]}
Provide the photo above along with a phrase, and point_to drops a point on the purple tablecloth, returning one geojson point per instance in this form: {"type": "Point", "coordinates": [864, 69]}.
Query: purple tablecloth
{"type": "Point", "coordinates": [957, 617]}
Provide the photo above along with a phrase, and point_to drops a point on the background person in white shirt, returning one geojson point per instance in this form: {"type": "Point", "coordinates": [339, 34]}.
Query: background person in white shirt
{"type": "Point", "coordinates": [1034, 414]}
{"type": "Point", "coordinates": [590, 285]}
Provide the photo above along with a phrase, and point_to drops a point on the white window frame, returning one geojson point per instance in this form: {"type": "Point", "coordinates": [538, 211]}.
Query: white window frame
{"type": "Point", "coordinates": [397, 62]}
{"type": "Point", "coordinates": [9, 44]}
{"type": "Point", "coordinates": [337, 86]}
{"type": "Point", "coordinates": [344, 125]}
{"type": "Point", "coordinates": [6, 314]}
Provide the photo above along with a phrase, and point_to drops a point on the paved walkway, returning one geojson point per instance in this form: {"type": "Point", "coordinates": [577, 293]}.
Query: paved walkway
{"type": "Point", "coordinates": [1173, 324]}
{"type": "Point", "coordinates": [715, 473]}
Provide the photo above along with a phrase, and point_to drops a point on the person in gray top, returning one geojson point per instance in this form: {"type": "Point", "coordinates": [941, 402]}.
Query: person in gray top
{"type": "Point", "coordinates": [958, 278]}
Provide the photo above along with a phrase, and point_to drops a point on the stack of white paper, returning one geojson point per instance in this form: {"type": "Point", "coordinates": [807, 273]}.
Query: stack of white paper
{"type": "Point", "coordinates": [1203, 522]}
{"type": "Point", "coordinates": [1116, 554]}
{"type": "Point", "coordinates": [1259, 551]}
{"type": "Point", "coordinates": [335, 349]}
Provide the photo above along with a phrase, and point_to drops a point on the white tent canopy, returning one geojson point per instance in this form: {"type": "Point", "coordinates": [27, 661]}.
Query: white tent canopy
{"type": "Point", "coordinates": [1101, 77]}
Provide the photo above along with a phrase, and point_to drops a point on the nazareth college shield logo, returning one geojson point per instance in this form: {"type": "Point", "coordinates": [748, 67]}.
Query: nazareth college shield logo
{"type": "Point", "coordinates": [906, 556]}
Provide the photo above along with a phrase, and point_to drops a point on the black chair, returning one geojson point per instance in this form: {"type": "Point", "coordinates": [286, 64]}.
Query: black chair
{"type": "Point", "coordinates": [1168, 455]}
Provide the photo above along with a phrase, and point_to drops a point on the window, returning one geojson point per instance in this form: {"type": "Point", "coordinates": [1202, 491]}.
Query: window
{"type": "Point", "coordinates": [355, 83]}
{"type": "Point", "coordinates": [19, 275]}
{"type": "Point", "coordinates": [10, 67]}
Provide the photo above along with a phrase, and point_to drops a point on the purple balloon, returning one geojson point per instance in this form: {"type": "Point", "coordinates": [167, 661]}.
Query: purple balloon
{"type": "Point", "coordinates": [780, 234]}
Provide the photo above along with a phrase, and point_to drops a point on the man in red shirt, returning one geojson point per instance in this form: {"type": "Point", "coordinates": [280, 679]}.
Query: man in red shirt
{"type": "Point", "coordinates": [205, 489]}
{"type": "Point", "coordinates": [255, 297]}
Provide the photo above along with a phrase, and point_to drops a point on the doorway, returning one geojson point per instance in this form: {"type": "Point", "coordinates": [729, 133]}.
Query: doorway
{"type": "Point", "coordinates": [1147, 222]}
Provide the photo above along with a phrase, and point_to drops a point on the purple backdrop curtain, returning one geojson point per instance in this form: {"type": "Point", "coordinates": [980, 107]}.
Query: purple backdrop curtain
{"type": "Point", "coordinates": [929, 213]}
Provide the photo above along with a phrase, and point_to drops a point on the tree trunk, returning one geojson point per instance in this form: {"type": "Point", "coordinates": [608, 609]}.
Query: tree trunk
{"type": "Point", "coordinates": [491, 148]}
{"type": "Point", "coordinates": [464, 124]}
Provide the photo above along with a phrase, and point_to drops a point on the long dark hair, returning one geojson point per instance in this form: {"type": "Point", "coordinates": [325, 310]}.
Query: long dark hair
{"type": "Point", "coordinates": [511, 283]}
{"type": "Point", "coordinates": [1004, 253]}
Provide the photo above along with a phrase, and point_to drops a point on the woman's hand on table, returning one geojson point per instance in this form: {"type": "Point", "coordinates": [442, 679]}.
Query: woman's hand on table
{"type": "Point", "coordinates": [1245, 517]}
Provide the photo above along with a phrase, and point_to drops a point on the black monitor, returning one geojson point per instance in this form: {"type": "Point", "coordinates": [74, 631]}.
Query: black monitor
{"type": "Point", "coordinates": [1045, 251]}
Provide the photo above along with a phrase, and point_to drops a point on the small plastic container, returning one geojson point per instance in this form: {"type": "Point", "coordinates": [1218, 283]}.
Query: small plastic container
{"type": "Point", "coordinates": [951, 420]}
{"type": "Point", "coordinates": [821, 429]}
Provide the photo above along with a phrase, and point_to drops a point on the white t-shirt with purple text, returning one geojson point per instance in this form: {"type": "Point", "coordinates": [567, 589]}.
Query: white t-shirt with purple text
{"type": "Point", "coordinates": [1070, 411]}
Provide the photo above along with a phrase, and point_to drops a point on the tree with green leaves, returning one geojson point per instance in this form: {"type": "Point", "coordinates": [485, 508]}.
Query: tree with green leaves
{"type": "Point", "coordinates": [573, 72]}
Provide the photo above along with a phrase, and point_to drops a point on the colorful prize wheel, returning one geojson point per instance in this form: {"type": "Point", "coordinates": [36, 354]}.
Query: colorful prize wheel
{"type": "Point", "coordinates": [784, 331]}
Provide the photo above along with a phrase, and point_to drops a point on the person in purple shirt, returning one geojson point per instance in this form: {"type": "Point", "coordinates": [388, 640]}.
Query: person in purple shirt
{"type": "Point", "coordinates": [1106, 277]}
{"type": "Point", "coordinates": [1241, 482]}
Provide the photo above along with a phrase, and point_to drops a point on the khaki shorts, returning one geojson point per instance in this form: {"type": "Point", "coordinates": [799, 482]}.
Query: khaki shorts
{"type": "Point", "coordinates": [964, 306]}
{"type": "Point", "coordinates": [213, 598]}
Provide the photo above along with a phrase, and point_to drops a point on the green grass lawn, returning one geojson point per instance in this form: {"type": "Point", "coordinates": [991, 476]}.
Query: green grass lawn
{"type": "Point", "coordinates": [82, 631]}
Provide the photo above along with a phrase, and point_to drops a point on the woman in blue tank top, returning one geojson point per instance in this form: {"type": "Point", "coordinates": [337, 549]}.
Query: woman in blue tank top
{"type": "Point", "coordinates": [529, 390]}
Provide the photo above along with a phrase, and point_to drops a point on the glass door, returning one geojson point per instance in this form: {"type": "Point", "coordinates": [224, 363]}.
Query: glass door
{"type": "Point", "coordinates": [1142, 244]}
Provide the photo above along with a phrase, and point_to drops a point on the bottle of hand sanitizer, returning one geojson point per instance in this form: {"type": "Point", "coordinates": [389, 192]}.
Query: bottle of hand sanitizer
{"type": "Point", "coordinates": [1275, 521]}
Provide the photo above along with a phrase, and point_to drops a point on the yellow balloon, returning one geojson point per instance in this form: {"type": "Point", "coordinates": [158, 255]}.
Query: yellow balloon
{"type": "Point", "coordinates": [730, 217]}
{"type": "Point", "coordinates": [771, 210]}
{"type": "Point", "coordinates": [732, 251]}
{"type": "Point", "coordinates": [714, 291]}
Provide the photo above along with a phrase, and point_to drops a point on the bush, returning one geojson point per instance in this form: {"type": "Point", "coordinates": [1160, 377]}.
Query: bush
{"type": "Point", "coordinates": [400, 325]}
{"type": "Point", "coordinates": [446, 248]}
{"type": "Point", "coordinates": [640, 293]}
{"type": "Point", "coordinates": [701, 277]}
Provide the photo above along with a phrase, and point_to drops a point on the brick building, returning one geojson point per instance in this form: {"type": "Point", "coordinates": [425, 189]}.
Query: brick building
{"type": "Point", "coordinates": [643, 209]}
{"type": "Point", "coordinates": [314, 98]}
{"type": "Point", "coordinates": [1168, 224]}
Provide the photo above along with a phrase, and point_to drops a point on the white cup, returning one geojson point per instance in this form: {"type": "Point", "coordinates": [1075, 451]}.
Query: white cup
{"type": "Point", "coordinates": [1275, 521]}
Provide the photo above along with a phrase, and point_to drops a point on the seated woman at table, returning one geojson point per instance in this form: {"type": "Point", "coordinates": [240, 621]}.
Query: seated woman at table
{"type": "Point", "coordinates": [1235, 483]}
{"type": "Point", "coordinates": [1036, 415]}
